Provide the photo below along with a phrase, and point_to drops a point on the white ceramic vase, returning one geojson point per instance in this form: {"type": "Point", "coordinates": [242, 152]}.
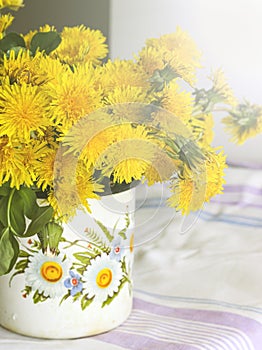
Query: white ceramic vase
{"type": "Point", "coordinates": [84, 290]}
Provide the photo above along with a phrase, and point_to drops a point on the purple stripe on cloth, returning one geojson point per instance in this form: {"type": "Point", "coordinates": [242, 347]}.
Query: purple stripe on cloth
{"type": "Point", "coordinates": [250, 165]}
{"type": "Point", "coordinates": [250, 327]}
{"type": "Point", "coordinates": [217, 319]}
{"type": "Point", "coordinates": [241, 203]}
{"type": "Point", "coordinates": [139, 342]}
{"type": "Point", "coordinates": [247, 196]}
{"type": "Point", "coordinates": [243, 188]}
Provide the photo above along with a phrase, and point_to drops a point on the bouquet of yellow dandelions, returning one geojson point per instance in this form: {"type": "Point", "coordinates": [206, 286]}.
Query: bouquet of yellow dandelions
{"type": "Point", "coordinates": [118, 122]}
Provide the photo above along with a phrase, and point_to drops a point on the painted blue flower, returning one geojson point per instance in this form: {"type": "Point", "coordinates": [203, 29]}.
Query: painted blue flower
{"type": "Point", "coordinates": [117, 249]}
{"type": "Point", "coordinates": [73, 283]}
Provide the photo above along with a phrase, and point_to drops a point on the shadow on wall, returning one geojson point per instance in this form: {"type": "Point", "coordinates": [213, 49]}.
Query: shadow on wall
{"type": "Point", "coordinates": [60, 13]}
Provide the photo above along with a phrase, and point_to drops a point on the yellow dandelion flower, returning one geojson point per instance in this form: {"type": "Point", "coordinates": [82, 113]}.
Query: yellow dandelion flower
{"type": "Point", "coordinates": [18, 162]}
{"type": "Point", "coordinates": [96, 146]}
{"type": "Point", "coordinates": [72, 97]}
{"type": "Point", "coordinates": [121, 74]}
{"type": "Point", "coordinates": [23, 68]}
{"type": "Point", "coordinates": [63, 195]}
{"type": "Point", "coordinates": [259, 124]}
{"type": "Point", "coordinates": [47, 28]}
{"type": "Point", "coordinates": [32, 152]}
{"type": "Point", "coordinates": [194, 189]}
{"type": "Point", "coordinates": [162, 168]}
{"type": "Point", "coordinates": [221, 88]}
{"type": "Point", "coordinates": [169, 123]}
{"type": "Point", "coordinates": [132, 112]}
{"type": "Point", "coordinates": [243, 122]}
{"type": "Point", "coordinates": [68, 209]}
{"type": "Point", "coordinates": [86, 186]}
{"type": "Point", "coordinates": [188, 195]}
{"type": "Point", "coordinates": [90, 136]}
{"type": "Point", "coordinates": [202, 128]}
{"type": "Point", "coordinates": [28, 37]}
{"type": "Point", "coordinates": [126, 94]}
{"type": "Point", "coordinates": [5, 22]}
{"type": "Point", "coordinates": [23, 110]}
{"type": "Point", "coordinates": [49, 137]}
{"type": "Point", "coordinates": [180, 52]}
{"type": "Point", "coordinates": [88, 71]}
{"type": "Point", "coordinates": [131, 168]}
{"type": "Point", "coordinates": [72, 182]}
{"type": "Point", "coordinates": [131, 154]}
{"type": "Point", "coordinates": [51, 69]}
{"type": "Point", "coordinates": [128, 103]}
{"type": "Point", "coordinates": [45, 168]}
{"type": "Point", "coordinates": [178, 102]}
{"type": "Point", "coordinates": [150, 59]}
{"type": "Point", "coordinates": [80, 44]}
{"type": "Point", "coordinates": [215, 165]}
{"type": "Point", "coordinates": [12, 4]}
{"type": "Point", "coordinates": [76, 197]}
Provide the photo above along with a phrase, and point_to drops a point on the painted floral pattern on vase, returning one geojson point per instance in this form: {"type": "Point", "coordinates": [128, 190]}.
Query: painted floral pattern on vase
{"type": "Point", "coordinates": [90, 269]}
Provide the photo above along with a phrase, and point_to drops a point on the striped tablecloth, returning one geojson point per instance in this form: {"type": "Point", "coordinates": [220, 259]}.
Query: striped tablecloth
{"type": "Point", "coordinates": [198, 281]}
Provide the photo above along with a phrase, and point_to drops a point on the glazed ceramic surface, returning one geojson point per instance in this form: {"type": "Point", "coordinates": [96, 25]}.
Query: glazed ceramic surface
{"type": "Point", "coordinates": [83, 290]}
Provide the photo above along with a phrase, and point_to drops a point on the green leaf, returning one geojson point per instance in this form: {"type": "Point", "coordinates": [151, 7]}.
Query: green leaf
{"type": "Point", "coordinates": [11, 40]}
{"type": "Point", "coordinates": [105, 230]}
{"type": "Point", "coordinates": [22, 264]}
{"type": "Point", "coordinates": [43, 238]}
{"type": "Point", "coordinates": [3, 211]}
{"type": "Point", "coordinates": [45, 41]}
{"type": "Point", "coordinates": [16, 248]}
{"type": "Point", "coordinates": [122, 233]}
{"type": "Point", "coordinates": [39, 297]}
{"type": "Point", "coordinates": [81, 270]}
{"type": "Point", "coordinates": [77, 296]}
{"type": "Point", "coordinates": [43, 216]}
{"type": "Point", "coordinates": [12, 212]}
{"type": "Point", "coordinates": [16, 214]}
{"type": "Point", "coordinates": [85, 301]}
{"type": "Point", "coordinates": [9, 250]}
{"type": "Point", "coordinates": [5, 190]}
{"type": "Point", "coordinates": [54, 234]}
{"type": "Point", "coordinates": [65, 297]}
{"type": "Point", "coordinates": [20, 272]}
{"type": "Point", "coordinates": [84, 257]}
{"type": "Point", "coordinates": [110, 299]}
{"type": "Point", "coordinates": [96, 242]}
{"type": "Point", "coordinates": [23, 254]}
{"type": "Point", "coordinates": [29, 200]}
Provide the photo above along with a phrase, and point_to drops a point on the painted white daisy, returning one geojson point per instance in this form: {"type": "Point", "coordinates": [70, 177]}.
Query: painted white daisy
{"type": "Point", "coordinates": [46, 274]}
{"type": "Point", "coordinates": [102, 277]}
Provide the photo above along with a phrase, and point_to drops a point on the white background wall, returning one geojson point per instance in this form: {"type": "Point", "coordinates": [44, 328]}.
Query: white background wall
{"type": "Point", "coordinates": [228, 32]}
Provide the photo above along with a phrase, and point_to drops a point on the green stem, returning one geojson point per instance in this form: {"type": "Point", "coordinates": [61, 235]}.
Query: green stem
{"type": "Point", "coordinates": [126, 279]}
{"type": "Point", "coordinates": [9, 209]}
{"type": "Point", "coordinates": [71, 244]}
{"type": "Point", "coordinates": [75, 243]}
